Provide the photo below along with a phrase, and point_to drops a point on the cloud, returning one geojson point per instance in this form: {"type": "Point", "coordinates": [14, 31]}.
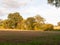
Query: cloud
{"type": "Point", "coordinates": [2, 11]}
{"type": "Point", "coordinates": [14, 3]}
{"type": "Point", "coordinates": [8, 6]}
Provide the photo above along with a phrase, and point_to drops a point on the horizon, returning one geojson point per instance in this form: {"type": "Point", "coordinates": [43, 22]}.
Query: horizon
{"type": "Point", "coordinates": [30, 8]}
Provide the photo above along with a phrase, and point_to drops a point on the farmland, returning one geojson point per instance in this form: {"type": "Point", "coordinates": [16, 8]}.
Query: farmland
{"type": "Point", "coordinates": [29, 37]}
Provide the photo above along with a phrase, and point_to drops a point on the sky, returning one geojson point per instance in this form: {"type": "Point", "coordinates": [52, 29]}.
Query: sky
{"type": "Point", "coordinates": [30, 8]}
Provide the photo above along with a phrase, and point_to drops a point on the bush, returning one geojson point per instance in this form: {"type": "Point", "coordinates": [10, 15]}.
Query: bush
{"type": "Point", "coordinates": [47, 27]}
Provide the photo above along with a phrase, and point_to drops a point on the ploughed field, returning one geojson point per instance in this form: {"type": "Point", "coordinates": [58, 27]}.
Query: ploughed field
{"type": "Point", "coordinates": [29, 37]}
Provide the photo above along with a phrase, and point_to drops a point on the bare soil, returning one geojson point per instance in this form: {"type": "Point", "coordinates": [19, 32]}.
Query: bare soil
{"type": "Point", "coordinates": [30, 36]}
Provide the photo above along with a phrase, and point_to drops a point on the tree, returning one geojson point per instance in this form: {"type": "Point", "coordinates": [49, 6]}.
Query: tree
{"type": "Point", "coordinates": [54, 2]}
{"type": "Point", "coordinates": [22, 25]}
{"type": "Point", "coordinates": [15, 18]}
{"type": "Point", "coordinates": [47, 27]}
{"type": "Point", "coordinates": [5, 22]}
{"type": "Point", "coordinates": [30, 23]}
{"type": "Point", "coordinates": [8, 24]}
{"type": "Point", "coordinates": [39, 19]}
{"type": "Point", "coordinates": [1, 24]}
{"type": "Point", "coordinates": [37, 26]}
{"type": "Point", "coordinates": [58, 23]}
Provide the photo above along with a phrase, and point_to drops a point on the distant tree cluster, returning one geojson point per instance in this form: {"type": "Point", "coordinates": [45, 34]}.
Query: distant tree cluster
{"type": "Point", "coordinates": [16, 21]}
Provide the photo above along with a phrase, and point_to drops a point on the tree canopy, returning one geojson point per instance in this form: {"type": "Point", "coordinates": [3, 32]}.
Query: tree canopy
{"type": "Point", "coordinates": [56, 3]}
{"type": "Point", "coordinates": [16, 21]}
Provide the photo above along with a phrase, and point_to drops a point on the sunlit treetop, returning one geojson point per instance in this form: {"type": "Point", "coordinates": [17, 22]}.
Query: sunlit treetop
{"type": "Point", "coordinates": [56, 3]}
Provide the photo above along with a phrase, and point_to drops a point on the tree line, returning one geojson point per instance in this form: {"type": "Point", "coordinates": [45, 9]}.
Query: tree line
{"type": "Point", "coordinates": [16, 21]}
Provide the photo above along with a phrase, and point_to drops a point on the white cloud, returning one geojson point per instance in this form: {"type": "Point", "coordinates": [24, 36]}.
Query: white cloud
{"type": "Point", "coordinates": [14, 3]}
{"type": "Point", "coordinates": [2, 11]}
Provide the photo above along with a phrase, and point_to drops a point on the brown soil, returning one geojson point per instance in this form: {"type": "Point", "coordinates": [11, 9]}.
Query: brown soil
{"type": "Point", "coordinates": [25, 36]}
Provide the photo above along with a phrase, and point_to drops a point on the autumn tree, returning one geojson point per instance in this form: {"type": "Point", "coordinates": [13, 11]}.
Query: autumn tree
{"type": "Point", "coordinates": [8, 24]}
{"type": "Point", "coordinates": [15, 18]}
{"type": "Point", "coordinates": [39, 19]}
{"type": "Point", "coordinates": [22, 25]}
{"type": "Point", "coordinates": [47, 27]}
{"type": "Point", "coordinates": [58, 23]}
{"type": "Point", "coordinates": [30, 23]}
{"type": "Point", "coordinates": [37, 26]}
{"type": "Point", "coordinates": [1, 24]}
